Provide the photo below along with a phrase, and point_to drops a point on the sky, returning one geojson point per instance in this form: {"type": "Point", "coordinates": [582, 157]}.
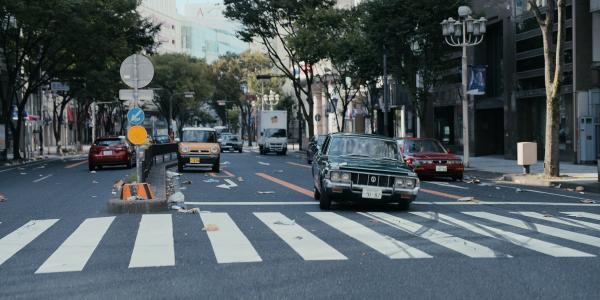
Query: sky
{"type": "Point", "coordinates": [181, 3]}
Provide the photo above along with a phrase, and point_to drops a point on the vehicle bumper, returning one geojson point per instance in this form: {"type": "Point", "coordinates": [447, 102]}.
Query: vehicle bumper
{"type": "Point", "coordinates": [343, 192]}
{"type": "Point", "coordinates": [98, 160]}
{"type": "Point", "coordinates": [430, 171]}
{"type": "Point", "coordinates": [275, 148]}
{"type": "Point", "coordinates": [205, 160]}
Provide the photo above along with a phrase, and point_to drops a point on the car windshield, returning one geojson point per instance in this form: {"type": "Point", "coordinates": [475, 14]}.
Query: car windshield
{"type": "Point", "coordinates": [424, 146]}
{"type": "Point", "coordinates": [275, 133]}
{"type": "Point", "coordinates": [232, 138]}
{"type": "Point", "coordinates": [109, 142]}
{"type": "Point", "coordinates": [199, 136]}
{"type": "Point", "coordinates": [363, 147]}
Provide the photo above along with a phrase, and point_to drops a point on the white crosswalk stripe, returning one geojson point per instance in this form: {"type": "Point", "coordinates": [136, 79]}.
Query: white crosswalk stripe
{"type": "Point", "coordinates": [77, 249]}
{"type": "Point", "coordinates": [385, 245]}
{"type": "Point", "coordinates": [580, 214]}
{"type": "Point", "coordinates": [229, 244]}
{"type": "Point", "coordinates": [154, 245]}
{"type": "Point", "coordinates": [301, 240]}
{"type": "Point", "coordinates": [451, 242]}
{"type": "Point", "coordinates": [553, 231]}
{"type": "Point", "coordinates": [558, 219]}
{"type": "Point", "coordinates": [18, 239]}
{"type": "Point", "coordinates": [513, 238]}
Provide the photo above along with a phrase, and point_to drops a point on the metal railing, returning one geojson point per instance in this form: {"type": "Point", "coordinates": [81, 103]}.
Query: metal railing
{"type": "Point", "coordinates": [154, 151]}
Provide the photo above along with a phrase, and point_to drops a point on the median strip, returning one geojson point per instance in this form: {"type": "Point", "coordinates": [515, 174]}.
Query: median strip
{"type": "Point", "coordinates": [286, 184]}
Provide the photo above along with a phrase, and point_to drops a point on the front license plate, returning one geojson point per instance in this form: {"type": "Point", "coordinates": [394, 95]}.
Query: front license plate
{"type": "Point", "coordinates": [441, 168]}
{"type": "Point", "coordinates": [194, 160]}
{"type": "Point", "coordinates": [109, 152]}
{"type": "Point", "coordinates": [371, 193]}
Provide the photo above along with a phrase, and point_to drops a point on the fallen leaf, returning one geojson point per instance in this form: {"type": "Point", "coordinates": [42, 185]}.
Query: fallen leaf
{"type": "Point", "coordinates": [211, 227]}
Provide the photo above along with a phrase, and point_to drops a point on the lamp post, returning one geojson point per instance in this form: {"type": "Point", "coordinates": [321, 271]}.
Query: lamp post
{"type": "Point", "coordinates": [271, 99]}
{"type": "Point", "coordinates": [464, 32]}
{"type": "Point", "coordinates": [186, 95]}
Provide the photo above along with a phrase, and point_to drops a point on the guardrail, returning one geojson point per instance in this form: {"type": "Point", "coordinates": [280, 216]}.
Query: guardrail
{"type": "Point", "coordinates": [152, 152]}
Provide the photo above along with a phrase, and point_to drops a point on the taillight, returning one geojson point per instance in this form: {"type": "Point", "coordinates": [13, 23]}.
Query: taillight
{"type": "Point", "coordinates": [409, 162]}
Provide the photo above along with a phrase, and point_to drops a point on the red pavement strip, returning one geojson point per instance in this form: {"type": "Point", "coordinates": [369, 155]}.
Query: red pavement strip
{"type": "Point", "coordinates": [286, 184]}
{"type": "Point", "coordinates": [310, 194]}
{"type": "Point", "coordinates": [76, 164]}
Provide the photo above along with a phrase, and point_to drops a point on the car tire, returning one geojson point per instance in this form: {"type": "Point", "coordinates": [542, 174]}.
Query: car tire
{"type": "Point", "coordinates": [316, 194]}
{"type": "Point", "coordinates": [324, 202]}
{"type": "Point", "coordinates": [216, 168]}
{"type": "Point", "coordinates": [458, 178]}
{"type": "Point", "coordinates": [240, 150]}
{"type": "Point", "coordinates": [404, 205]}
{"type": "Point", "coordinates": [179, 167]}
{"type": "Point", "coordinates": [91, 167]}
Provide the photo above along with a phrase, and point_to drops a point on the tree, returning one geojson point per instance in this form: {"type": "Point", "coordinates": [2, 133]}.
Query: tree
{"type": "Point", "coordinates": [176, 74]}
{"type": "Point", "coordinates": [413, 43]}
{"type": "Point", "coordinates": [553, 75]}
{"type": "Point", "coordinates": [273, 23]}
{"type": "Point", "coordinates": [43, 40]}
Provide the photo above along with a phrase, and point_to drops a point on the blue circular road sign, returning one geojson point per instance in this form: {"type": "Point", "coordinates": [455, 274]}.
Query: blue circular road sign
{"type": "Point", "coordinates": [135, 116]}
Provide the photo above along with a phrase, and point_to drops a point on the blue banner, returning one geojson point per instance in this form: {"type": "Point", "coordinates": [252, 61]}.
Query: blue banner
{"type": "Point", "coordinates": [477, 80]}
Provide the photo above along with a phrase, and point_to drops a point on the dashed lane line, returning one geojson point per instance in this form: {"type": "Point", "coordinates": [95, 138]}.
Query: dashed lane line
{"type": "Point", "coordinates": [298, 165]}
{"type": "Point", "coordinates": [42, 178]}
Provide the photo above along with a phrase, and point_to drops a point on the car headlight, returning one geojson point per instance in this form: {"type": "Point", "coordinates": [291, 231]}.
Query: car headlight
{"type": "Point", "coordinates": [346, 177]}
{"type": "Point", "coordinates": [399, 182]}
{"type": "Point", "coordinates": [214, 149]}
{"type": "Point", "coordinates": [410, 183]}
{"type": "Point", "coordinates": [337, 176]}
{"type": "Point", "coordinates": [185, 149]}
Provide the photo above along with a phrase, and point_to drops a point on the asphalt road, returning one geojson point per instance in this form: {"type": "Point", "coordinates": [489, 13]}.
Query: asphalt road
{"type": "Point", "coordinates": [261, 235]}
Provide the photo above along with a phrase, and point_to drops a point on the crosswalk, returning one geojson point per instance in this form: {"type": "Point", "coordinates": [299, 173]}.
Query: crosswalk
{"type": "Point", "coordinates": [398, 236]}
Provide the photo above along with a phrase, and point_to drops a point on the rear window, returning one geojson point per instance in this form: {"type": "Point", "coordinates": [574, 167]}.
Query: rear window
{"type": "Point", "coordinates": [109, 142]}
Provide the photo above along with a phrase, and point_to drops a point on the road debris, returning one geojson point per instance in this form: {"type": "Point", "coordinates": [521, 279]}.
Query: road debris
{"type": "Point", "coordinates": [557, 186]}
{"type": "Point", "coordinates": [182, 188]}
{"type": "Point", "coordinates": [497, 187]}
{"type": "Point", "coordinates": [264, 163]}
{"type": "Point", "coordinates": [2, 198]}
{"type": "Point", "coordinates": [579, 189]}
{"type": "Point", "coordinates": [518, 190]}
{"type": "Point", "coordinates": [225, 163]}
{"type": "Point", "coordinates": [240, 179]}
{"type": "Point", "coordinates": [172, 174]}
{"type": "Point", "coordinates": [587, 201]}
{"type": "Point", "coordinates": [468, 199]}
{"type": "Point", "coordinates": [210, 227]}
{"type": "Point", "coordinates": [194, 210]}
{"type": "Point", "coordinates": [22, 173]}
{"type": "Point", "coordinates": [292, 222]}
{"type": "Point", "coordinates": [178, 197]}
{"type": "Point", "coordinates": [278, 171]}
{"type": "Point", "coordinates": [211, 180]}
{"type": "Point", "coordinates": [187, 182]}
{"type": "Point", "coordinates": [92, 172]}
{"type": "Point", "coordinates": [94, 181]}
{"type": "Point", "coordinates": [94, 196]}
{"type": "Point", "coordinates": [266, 192]}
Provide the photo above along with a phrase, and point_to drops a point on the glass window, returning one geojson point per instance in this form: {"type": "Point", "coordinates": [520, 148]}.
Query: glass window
{"type": "Point", "coordinates": [199, 136]}
{"type": "Point", "coordinates": [424, 146]}
{"type": "Point", "coordinates": [372, 148]}
{"type": "Point", "coordinates": [109, 142]}
{"type": "Point", "coordinates": [275, 133]}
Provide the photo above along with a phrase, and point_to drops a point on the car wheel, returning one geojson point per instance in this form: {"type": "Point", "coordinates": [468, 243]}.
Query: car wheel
{"type": "Point", "coordinates": [404, 205]}
{"type": "Point", "coordinates": [240, 150]}
{"type": "Point", "coordinates": [316, 194]}
{"type": "Point", "coordinates": [179, 167]}
{"type": "Point", "coordinates": [216, 168]}
{"type": "Point", "coordinates": [324, 202]}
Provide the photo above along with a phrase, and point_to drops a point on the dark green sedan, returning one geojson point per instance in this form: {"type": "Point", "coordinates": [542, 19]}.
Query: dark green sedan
{"type": "Point", "coordinates": [362, 168]}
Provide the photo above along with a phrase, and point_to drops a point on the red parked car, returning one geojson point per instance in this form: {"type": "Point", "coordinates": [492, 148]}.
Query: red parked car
{"type": "Point", "coordinates": [429, 158]}
{"type": "Point", "coordinates": [111, 151]}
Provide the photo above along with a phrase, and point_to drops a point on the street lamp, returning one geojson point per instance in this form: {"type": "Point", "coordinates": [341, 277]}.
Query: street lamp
{"type": "Point", "coordinates": [271, 99]}
{"type": "Point", "coordinates": [186, 95]}
{"type": "Point", "coordinates": [464, 32]}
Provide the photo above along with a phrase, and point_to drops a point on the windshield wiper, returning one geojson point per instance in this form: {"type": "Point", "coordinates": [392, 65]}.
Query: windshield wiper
{"type": "Point", "coordinates": [354, 155]}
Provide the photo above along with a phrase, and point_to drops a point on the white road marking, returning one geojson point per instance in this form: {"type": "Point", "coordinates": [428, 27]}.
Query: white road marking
{"type": "Point", "coordinates": [451, 203]}
{"type": "Point", "coordinates": [558, 219]}
{"type": "Point", "coordinates": [229, 244]}
{"type": "Point", "coordinates": [154, 242]}
{"type": "Point", "coordinates": [507, 236]}
{"type": "Point", "coordinates": [301, 240]}
{"type": "Point", "coordinates": [446, 184]}
{"type": "Point", "coordinates": [42, 178]}
{"type": "Point", "coordinates": [229, 185]}
{"type": "Point", "coordinates": [580, 214]}
{"type": "Point", "coordinates": [385, 245]}
{"type": "Point", "coordinates": [242, 203]}
{"type": "Point", "coordinates": [553, 231]}
{"type": "Point", "coordinates": [542, 192]}
{"type": "Point", "coordinates": [15, 241]}
{"type": "Point", "coordinates": [77, 249]}
{"type": "Point", "coordinates": [449, 241]}
{"type": "Point", "coordinates": [28, 165]}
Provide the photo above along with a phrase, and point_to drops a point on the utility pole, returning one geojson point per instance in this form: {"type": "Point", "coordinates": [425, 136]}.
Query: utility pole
{"type": "Point", "coordinates": [386, 120]}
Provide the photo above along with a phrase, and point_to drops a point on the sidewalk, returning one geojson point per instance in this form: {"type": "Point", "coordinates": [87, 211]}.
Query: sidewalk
{"type": "Point", "coordinates": [572, 175]}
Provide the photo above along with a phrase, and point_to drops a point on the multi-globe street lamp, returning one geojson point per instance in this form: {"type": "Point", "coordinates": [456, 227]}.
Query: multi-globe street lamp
{"type": "Point", "coordinates": [464, 32]}
{"type": "Point", "coordinates": [270, 99]}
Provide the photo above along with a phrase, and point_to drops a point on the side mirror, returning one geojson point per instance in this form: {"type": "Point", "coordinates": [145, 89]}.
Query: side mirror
{"type": "Point", "coordinates": [177, 140]}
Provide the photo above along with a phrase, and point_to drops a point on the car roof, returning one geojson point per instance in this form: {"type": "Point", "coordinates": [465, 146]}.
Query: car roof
{"type": "Point", "coordinates": [416, 139]}
{"type": "Point", "coordinates": [110, 138]}
{"type": "Point", "coordinates": [360, 135]}
{"type": "Point", "coordinates": [198, 128]}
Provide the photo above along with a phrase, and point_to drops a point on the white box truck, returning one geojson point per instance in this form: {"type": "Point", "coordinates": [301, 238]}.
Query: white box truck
{"type": "Point", "coordinates": [272, 131]}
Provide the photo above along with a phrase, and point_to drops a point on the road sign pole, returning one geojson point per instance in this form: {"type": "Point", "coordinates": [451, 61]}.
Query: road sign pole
{"type": "Point", "coordinates": [138, 161]}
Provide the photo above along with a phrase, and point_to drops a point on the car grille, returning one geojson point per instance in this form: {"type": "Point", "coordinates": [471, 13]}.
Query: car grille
{"type": "Point", "coordinates": [200, 151]}
{"type": "Point", "coordinates": [372, 180]}
{"type": "Point", "coordinates": [440, 161]}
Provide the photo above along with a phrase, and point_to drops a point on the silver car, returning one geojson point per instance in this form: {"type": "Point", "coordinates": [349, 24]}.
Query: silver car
{"type": "Point", "coordinates": [230, 142]}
